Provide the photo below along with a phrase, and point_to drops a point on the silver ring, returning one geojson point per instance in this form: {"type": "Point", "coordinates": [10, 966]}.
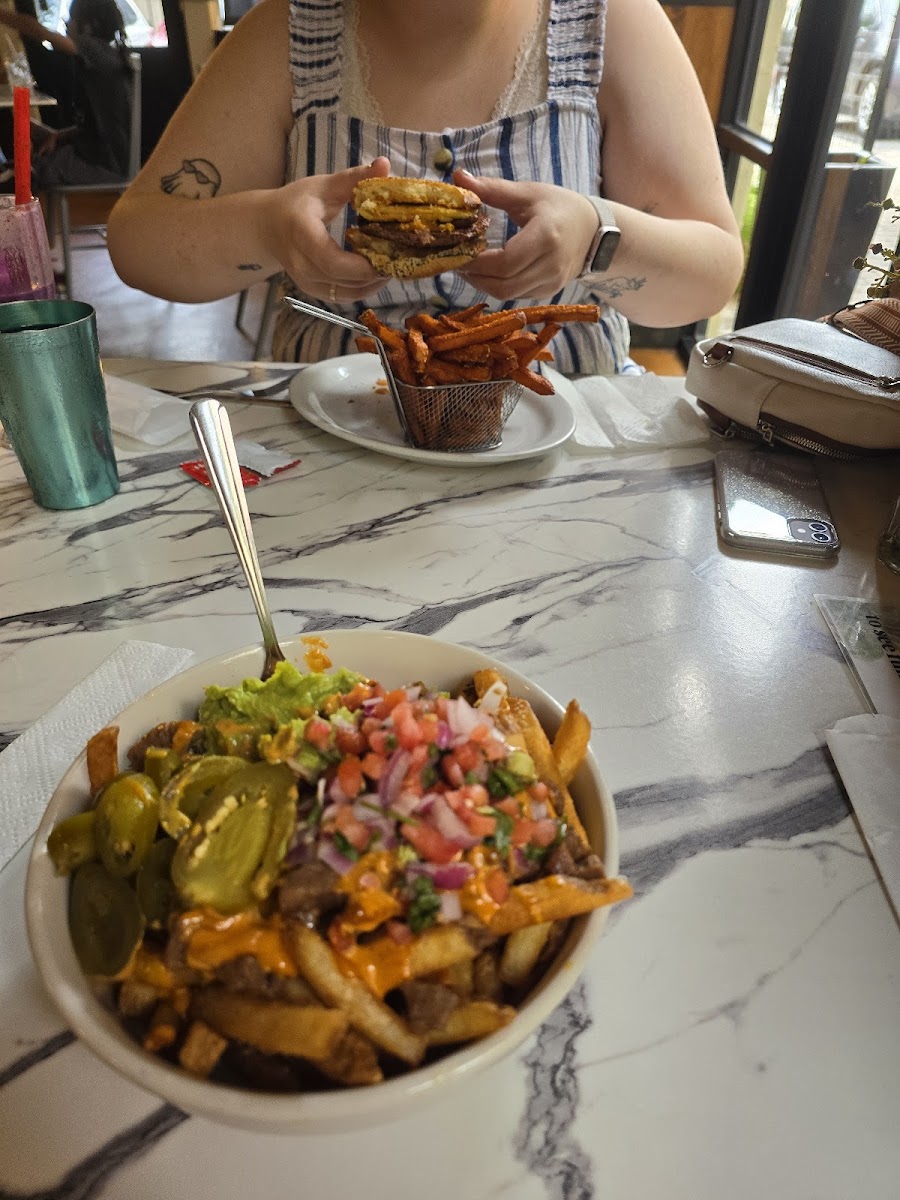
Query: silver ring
{"type": "Point", "coordinates": [332, 293]}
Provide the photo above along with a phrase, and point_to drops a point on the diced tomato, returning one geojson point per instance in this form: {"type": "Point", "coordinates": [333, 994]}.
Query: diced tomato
{"type": "Point", "coordinates": [544, 832]}
{"type": "Point", "coordinates": [494, 750]}
{"type": "Point", "coordinates": [353, 699]}
{"type": "Point", "coordinates": [418, 757]}
{"type": "Point", "coordinates": [540, 792]}
{"type": "Point", "coordinates": [497, 886]}
{"type": "Point", "coordinates": [373, 765]}
{"type": "Point", "coordinates": [406, 727]}
{"type": "Point", "coordinates": [349, 741]}
{"type": "Point", "coordinates": [318, 733]}
{"type": "Point", "coordinates": [429, 843]}
{"type": "Point", "coordinates": [355, 831]}
{"type": "Point", "coordinates": [480, 824]}
{"type": "Point", "coordinates": [428, 724]}
{"type": "Point", "coordinates": [452, 771]}
{"type": "Point", "coordinates": [522, 832]}
{"type": "Point", "coordinates": [475, 795]}
{"type": "Point", "coordinates": [392, 699]}
{"type": "Point", "coordinates": [350, 776]}
{"type": "Point", "coordinates": [508, 805]}
{"type": "Point", "coordinates": [383, 741]}
{"type": "Point", "coordinates": [468, 755]}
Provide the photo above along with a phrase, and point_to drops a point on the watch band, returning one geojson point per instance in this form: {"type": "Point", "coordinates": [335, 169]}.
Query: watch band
{"type": "Point", "coordinates": [605, 241]}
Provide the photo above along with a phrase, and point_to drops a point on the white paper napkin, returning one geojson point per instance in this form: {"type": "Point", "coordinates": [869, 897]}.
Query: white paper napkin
{"type": "Point", "coordinates": [144, 413]}
{"type": "Point", "coordinates": [634, 412]}
{"type": "Point", "coordinates": [32, 765]}
{"type": "Point", "coordinates": [866, 750]}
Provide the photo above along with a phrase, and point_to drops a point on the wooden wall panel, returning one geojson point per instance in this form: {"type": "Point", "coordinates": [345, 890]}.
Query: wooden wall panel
{"type": "Point", "coordinates": [705, 31]}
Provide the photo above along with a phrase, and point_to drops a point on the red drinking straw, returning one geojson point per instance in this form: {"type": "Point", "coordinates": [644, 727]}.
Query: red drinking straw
{"type": "Point", "coordinates": [22, 143]}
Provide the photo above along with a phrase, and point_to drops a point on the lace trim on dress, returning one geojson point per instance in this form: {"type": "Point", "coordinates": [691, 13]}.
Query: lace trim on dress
{"type": "Point", "coordinates": [526, 89]}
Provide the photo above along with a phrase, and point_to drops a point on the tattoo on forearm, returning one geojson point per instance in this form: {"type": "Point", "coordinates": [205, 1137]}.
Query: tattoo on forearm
{"type": "Point", "coordinates": [196, 179]}
{"type": "Point", "coordinates": [249, 266]}
{"type": "Point", "coordinates": [612, 289]}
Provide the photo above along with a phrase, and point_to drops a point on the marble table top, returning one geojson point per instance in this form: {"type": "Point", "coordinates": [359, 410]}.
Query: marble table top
{"type": "Point", "coordinates": [735, 1034]}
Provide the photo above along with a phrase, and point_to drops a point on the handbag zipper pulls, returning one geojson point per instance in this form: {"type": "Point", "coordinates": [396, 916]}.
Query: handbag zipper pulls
{"type": "Point", "coordinates": [766, 431]}
{"type": "Point", "coordinates": [888, 383]}
{"type": "Point", "coordinates": [718, 355]}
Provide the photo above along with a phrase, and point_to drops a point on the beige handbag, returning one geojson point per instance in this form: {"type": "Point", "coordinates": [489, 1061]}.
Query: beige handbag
{"type": "Point", "coordinates": [805, 384]}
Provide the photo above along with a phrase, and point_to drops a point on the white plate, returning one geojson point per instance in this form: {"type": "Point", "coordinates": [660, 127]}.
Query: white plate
{"type": "Point", "coordinates": [338, 395]}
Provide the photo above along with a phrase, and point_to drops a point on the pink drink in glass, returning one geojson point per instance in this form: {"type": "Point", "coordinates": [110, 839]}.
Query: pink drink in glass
{"type": "Point", "coordinates": [26, 272]}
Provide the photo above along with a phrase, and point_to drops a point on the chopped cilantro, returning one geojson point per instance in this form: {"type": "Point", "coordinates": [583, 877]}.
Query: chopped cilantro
{"type": "Point", "coordinates": [390, 742]}
{"type": "Point", "coordinates": [425, 904]}
{"type": "Point", "coordinates": [471, 777]}
{"type": "Point", "coordinates": [345, 848]}
{"type": "Point", "coordinates": [535, 854]}
{"type": "Point", "coordinates": [501, 782]}
{"type": "Point", "coordinates": [429, 777]}
{"type": "Point", "coordinates": [501, 836]}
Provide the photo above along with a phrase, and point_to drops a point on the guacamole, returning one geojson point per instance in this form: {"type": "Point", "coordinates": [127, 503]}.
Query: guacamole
{"type": "Point", "coordinates": [278, 700]}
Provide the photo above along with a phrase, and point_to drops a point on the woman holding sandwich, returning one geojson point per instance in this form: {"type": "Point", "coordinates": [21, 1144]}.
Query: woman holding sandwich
{"type": "Point", "coordinates": [580, 124]}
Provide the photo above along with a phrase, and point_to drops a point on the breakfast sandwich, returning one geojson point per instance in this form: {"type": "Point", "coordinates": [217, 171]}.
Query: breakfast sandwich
{"type": "Point", "coordinates": [413, 228]}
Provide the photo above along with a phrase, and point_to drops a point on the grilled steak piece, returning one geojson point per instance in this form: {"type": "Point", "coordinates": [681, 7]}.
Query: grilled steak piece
{"type": "Point", "coordinates": [308, 892]}
{"type": "Point", "coordinates": [413, 234]}
{"type": "Point", "coordinates": [572, 858]}
{"type": "Point", "coordinates": [428, 1005]}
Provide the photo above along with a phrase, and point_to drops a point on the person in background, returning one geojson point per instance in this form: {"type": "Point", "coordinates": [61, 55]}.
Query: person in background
{"type": "Point", "coordinates": [537, 106]}
{"type": "Point", "coordinates": [95, 148]}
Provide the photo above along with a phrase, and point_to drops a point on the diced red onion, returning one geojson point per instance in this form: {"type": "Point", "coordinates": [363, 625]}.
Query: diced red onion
{"type": "Point", "coordinates": [392, 777]}
{"type": "Point", "coordinates": [450, 876]}
{"type": "Point", "coordinates": [406, 803]}
{"type": "Point", "coordinates": [449, 824]}
{"type": "Point", "coordinates": [414, 692]}
{"type": "Point", "coordinates": [444, 739]}
{"type": "Point", "coordinates": [369, 706]}
{"type": "Point", "coordinates": [330, 854]}
{"type": "Point", "coordinates": [462, 717]}
{"type": "Point", "coordinates": [379, 823]}
{"type": "Point", "coordinates": [539, 810]}
{"type": "Point", "coordinates": [451, 908]}
{"type": "Point", "coordinates": [329, 812]}
{"type": "Point", "coordinates": [336, 792]}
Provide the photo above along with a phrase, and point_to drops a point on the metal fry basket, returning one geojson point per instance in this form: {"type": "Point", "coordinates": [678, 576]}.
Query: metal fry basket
{"type": "Point", "coordinates": [457, 416]}
{"type": "Point", "coordinates": [463, 416]}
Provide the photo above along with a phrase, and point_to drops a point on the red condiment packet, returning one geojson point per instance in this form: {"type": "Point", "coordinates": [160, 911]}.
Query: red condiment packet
{"type": "Point", "coordinates": [261, 464]}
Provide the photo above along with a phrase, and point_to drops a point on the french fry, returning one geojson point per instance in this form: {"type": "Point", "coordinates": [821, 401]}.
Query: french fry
{"type": "Point", "coordinates": [451, 372]}
{"type": "Point", "coordinates": [488, 331]}
{"type": "Point", "coordinates": [477, 1019]}
{"type": "Point", "coordinates": [469, 315]}
{"type": "Point", "coordinates": [418, 350]}
{"type": "Point", "coordinates": [555, 898]}
{"type": "Point", "coordinates": [543, 356]}
{"type": "Point", "coordinates": [425, 324]}
{"type": "Point", "coordinates": [531, 380]}
{"type": "Point", "coordinates": [479, 353]}
{"type": "Point", "coordinates": [435, 949]}
{"type": "Point", "coordinates": [561, 313]}
{"type": "Point", "coordinates": [366, 345]}
{"type": "Point", "coordinates": [486, 982]}
{"type": "Point", "coordinates": [401, 364]}
{"type": "Point", "coordinates": [201, 1050]}
{"type": "Point", "coordinates": [103, 758]}
{"type": "Point", "coordinates": [365, 1012]}
{"type": "Point", "coordinates": [305, 1031]}
{"type": "Point", "coordinates": [571, 742]}
{"type": "Point", "coordinates": [390, 337]}
{"type": "Point", "coordinates": [521, 952]}
{"type": "Point", "coordinates": [459, 978]}
{"type": "Point", "coordinates": [538, 746]}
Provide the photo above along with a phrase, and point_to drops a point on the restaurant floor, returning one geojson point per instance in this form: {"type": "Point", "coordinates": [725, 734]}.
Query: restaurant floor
{"type": "Point", "coordinates": [132, 323]}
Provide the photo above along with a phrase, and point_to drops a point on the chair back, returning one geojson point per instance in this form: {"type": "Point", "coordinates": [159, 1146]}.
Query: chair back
{"type": "Point", "coordinates": [134, 134]}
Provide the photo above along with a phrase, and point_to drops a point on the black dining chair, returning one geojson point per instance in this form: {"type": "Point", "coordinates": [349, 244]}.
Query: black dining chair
{"type": "Point", "coordinates": [58, 196]}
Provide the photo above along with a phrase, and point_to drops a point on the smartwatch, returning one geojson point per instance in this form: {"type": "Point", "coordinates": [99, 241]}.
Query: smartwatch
{"type": "Point", "coordinates": [605, 241]}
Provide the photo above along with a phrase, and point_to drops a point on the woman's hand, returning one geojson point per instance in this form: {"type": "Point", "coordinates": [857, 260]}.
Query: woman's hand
{"type": "Point", "coordinates": [556, 227]}
{"type": "Point", "coordinates": [294, 233]}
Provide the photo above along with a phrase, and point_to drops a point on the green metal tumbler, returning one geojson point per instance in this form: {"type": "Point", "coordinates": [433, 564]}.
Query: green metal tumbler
{"type": "Point", "coordinates": [53, 402]}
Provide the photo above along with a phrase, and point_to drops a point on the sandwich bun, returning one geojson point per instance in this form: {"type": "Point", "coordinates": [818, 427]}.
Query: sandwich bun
{"type": "Point", "coordinates": [415, 228]}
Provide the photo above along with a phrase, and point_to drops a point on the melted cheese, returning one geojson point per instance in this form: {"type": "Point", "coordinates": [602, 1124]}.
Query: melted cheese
{"type": "Point", "coordinates": [213, 939]}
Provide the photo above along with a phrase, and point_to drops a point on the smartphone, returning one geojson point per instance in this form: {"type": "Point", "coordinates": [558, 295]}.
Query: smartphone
{"type": "Point", "coordinates": [774, 503]}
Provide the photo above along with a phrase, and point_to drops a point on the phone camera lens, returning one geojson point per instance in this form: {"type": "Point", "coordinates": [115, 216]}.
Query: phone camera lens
{"type": "Point", "coordinates": [818, 527]}
{"type": "Point", "coordinates": [821, 537]}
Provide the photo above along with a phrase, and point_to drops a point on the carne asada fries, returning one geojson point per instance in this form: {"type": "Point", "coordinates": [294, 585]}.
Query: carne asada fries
{"type": "Point", "coordinates": [320, 882]}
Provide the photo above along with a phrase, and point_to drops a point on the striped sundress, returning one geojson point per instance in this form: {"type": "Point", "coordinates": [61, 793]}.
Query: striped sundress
{"type": "Point", "coordinates": [557, 141]}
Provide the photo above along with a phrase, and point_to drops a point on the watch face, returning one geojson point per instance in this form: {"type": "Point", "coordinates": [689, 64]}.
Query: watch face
{"type": "Point", "coordinates": [609, 241]}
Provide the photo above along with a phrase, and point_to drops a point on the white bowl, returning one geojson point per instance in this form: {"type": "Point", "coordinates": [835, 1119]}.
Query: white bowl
{"type": "Point", "coordinates": [394, 659]}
